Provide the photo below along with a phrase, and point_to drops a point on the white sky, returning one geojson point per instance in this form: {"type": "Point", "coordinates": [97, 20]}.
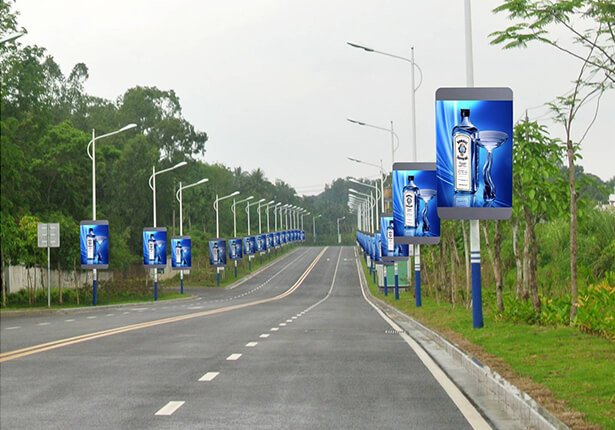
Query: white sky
{"type": "Point", "coordinates": [272, 82]}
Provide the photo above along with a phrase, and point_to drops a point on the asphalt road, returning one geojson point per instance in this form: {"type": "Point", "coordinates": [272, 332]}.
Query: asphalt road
{"type": "Point", "coordinates": [296, 346]}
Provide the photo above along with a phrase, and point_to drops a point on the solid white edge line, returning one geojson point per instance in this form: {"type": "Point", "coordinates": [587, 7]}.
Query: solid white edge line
{"type": "Point", "coordinates": [471, 414]}
{"type": "Point", "coordinates": [209, 376]}
{"type": "Point", "coordinates": [170, 407]}
{"type": "Point", "coordinates": [233, 357]}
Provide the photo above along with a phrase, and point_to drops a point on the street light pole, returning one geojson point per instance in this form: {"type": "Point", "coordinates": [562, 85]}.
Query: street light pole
{"type": "Point", "coordinates": [394, 135]}
{"type": "Point", "coordinates": [314, 226]}
{"type": "Point", "coordinates": [382, 179]}
{"type": "Point", "coordinates": [92, 155]}
{"type": "Point", "coordinates": [179, 197]}
{"type": "Point", "coordinates": [339, 236]}
{"type": "Point", "coordinates": [217, 209]}
{"type": "Point", "coordinates": [152, 185]}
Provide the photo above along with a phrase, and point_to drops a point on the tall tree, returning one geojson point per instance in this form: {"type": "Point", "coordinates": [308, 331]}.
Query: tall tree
{"type": "Point", "coordinates": [589, 24]}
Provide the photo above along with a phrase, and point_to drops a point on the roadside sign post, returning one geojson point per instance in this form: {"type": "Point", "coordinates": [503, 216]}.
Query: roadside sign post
{"type": "Point", "coordinates": [48, 235]}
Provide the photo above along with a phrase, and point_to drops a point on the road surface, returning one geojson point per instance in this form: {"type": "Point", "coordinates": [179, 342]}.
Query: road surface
{"type": "Point", "coordinates": [296, 346]}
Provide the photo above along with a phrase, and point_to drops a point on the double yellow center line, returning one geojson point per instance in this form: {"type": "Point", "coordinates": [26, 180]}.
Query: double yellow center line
{"type": "Point", "coordinates": [19, 353]}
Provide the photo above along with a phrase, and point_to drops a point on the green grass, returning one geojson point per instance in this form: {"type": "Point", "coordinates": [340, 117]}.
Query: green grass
{"type": "Point", "coordinates": [575, 367]}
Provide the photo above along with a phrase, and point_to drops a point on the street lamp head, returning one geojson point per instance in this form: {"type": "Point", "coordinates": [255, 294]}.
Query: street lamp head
{"type": "Point", "coordinates": [202, 181]}
{"type": "Point", "coordinates": [355, 121]}
{"type": "Point", "coordinates": [365, 48]}
{"type": "Point", "coordinates": [249, 198]}
{"type": "Point", "coordinates": [234, 193]}
{"type": "Point", "coordinates": [180, 164]}
{"type": "Point", "coordinates": [127, 127]}
{"type": "Point", "coordinates": [271, 202]}
{"type": "Point", "coordinates": [260, 201]}
{"type": "Point", "coordinates": [352, 190]}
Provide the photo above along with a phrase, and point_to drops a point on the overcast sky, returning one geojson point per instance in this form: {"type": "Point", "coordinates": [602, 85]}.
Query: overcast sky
{"type": "Point", "coordinates": [272, 82]}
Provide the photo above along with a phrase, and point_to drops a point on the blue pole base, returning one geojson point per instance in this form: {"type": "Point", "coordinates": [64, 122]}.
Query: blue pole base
{"type": "Point", "coordinates": [181, 286]}
{"type": "Point", "coordinates": [477, 297]}
{"type": "Point", "coordinates": [217, 279]}
{"type": "Point", "coordinates": [417, 288]}
{"type": "Point", "coordinates": [155, 290]}
{"type": "Point", "coordinates": [94, 291]}
{"type": "Point", "coordinates": [396, 287]}
{"type": "Point", "coordinates": [386, 287]}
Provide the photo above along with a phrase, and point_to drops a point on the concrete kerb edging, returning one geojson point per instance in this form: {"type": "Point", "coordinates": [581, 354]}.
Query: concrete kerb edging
{"type": "Point", "coordinates": [9, 314]}
{"type": "Point", "coordinates": [253, 274]}
{"type": "Point", "coordinates": [520, 404]}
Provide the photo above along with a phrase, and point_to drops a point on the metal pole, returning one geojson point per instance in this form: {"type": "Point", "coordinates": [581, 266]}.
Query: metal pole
{"type": "Point", "coordinates": [396, 281]}
{"type": "Point", "coordinates": [314, 228]}
{"type": "Point", "coordinates": [181, 232]}
{"type": "Point", "coordinates": [267, 209]}
{"type": "Point", "coordinates": [417, 271]}
{"type": "Point", "coordinates": [477, 299]}
{"type": "Point", "coordinates": [413, 107]}
{"type": "Point", "coordinates": [154, 201]}
{"type": "Point", "coordinates": [392, 145]}
{"type": "Point", "coordinates": [259, 218]}
{"type": "Point", "coordinates": [94, 272]}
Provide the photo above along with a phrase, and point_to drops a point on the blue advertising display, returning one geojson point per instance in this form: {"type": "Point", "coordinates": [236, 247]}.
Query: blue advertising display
{"type": "Point", "coordinates": [389, 249]}
{"type": "Point", "coordinates": [155, 247]}
{"type": "Point", "coordinates": [181, 252]}
{"type": "Point", "coordinates": [283, 237]}
{"type": "Point", "coordinates": [94, 244]}
{"type": "Point", "coordinates": [286, 236]}
{"type": "Point", "coordinates": [302, 236]}
{"type": "Point", "coordinates": [377, 248]}
{"type": "Point", "coordinates": [415, 212]}
{"type": "Point", "coordinates": [249, 245]}
{"type": "Point", "coordinates": [474, 146]}
{"type": "Point", "coordinates": [217, 252]}
{"type": "Point", "coordinates": [276, 239]}
{"type": "Point", "coordinates": [270, 240]}
{"type": "Point", "coordinates": [261, 243]}
{"type": "Point", "coordinates": [235, 249]}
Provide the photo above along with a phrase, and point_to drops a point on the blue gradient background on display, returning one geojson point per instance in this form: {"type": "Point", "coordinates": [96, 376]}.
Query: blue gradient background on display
{"type": "Point", "coordinates": [276, 239]}
{"type": "Point", "coordinates": [239, 247]}
{"type": "Point", "coordinates": [186, 244]}
{"type": "Point", "coordinates": [101, 231]}
{"type": "Point", "coordinates": [160, 236]}
{"type": "Point", "coordinates": [485, 115]}
{"type": "Point", "coordinates": [424, 179]}
{"type": "Point", "coordinates": [262, 240]}
{"type": "Point", "coordinates": [221, 252]}
{"type": "Point", "coordinates": [401, 250]}
{"type": "Point", "coordinates": [251, 249]}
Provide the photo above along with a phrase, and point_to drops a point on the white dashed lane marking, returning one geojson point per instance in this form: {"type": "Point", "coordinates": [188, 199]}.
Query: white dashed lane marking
{"type": "Point", "coordinates": [282, 324]}
{"type": "Point", "coordinates": [45, 323]}
{"type": "Point", "coordinates": [110, 315]}
{"type": "Point", "coordinates": [170, 407]}
{"type": "Point", "coordinates": [233, 357]}
{"type": "Point", "coordinates": [13, 328]}
{"type": "Point", "coordinates": [251, 344]}
{"type": "Point", "coordinates": [209, 376]}
{"type": "Point", "coordinates": [264, 336]}
{"type": "Point", "coordinates": [275, 328]}
{"type": "Point", "coordinates": [91, 317]}
{"type": "Point", "coordinates": [69, 320]}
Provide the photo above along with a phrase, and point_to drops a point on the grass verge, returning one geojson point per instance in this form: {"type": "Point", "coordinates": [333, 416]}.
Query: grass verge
{"type": "Point", "coordinates": [568, 372]}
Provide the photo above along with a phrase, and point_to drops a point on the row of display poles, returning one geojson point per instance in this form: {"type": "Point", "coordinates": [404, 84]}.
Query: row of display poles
{"type": "Point", "coordinates": [477, 314]}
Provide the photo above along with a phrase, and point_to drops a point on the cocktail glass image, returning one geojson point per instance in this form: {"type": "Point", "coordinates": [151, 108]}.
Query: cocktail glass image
{"type": "Point", "coordinates": [490, 140]}
{"type": "Point", "coordinates": [426, 195]}
{"type": "Point", "coordinates": [100, 240]}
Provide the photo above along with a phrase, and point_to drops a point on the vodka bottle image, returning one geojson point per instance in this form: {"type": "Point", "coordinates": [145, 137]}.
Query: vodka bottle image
{"type": "Point", "coordinates": [465, 155]}
{"type": "Point", "coordinates": [151, 249]}
{"type": "Point", "coordinates": [390, 239]}
{"type": "Point", "coordinates": [259, 247]}
{"type": "Point", "coordinates": [234, 250]}
{"type": "Point", "coordinates": [179, 254]}
{"type": "Point", "coordinates": [410, 196]}
{"type": "Point", "coordinates": [90, 244]}
{"type": "Point", "coordinates": [215, 253]}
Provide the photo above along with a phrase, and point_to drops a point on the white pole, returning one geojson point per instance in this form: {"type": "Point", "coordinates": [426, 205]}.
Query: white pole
{"type": "Point", "coordinates": [259, 218]}
{"type": "Point", "coordinates": [413, 108]}
{"type": "Point", "coordinates": [217, 218]}
{"type": "Point", "coordinates": [234, 219]}
{"type": "Point", "coordinates": [267, 209]}
{"type": "Point", "coordinates": [94, 272]}
{"type": "Point", "coordinates": [248, 212]}
{"type": "Point", "coordinates": [48, 269]}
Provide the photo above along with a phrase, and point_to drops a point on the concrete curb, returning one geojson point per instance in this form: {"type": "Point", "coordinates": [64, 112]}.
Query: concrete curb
{"type": "Point", "coordinates": [518, 403]}
{"type": "Point", "coordinates": [33, 312]}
